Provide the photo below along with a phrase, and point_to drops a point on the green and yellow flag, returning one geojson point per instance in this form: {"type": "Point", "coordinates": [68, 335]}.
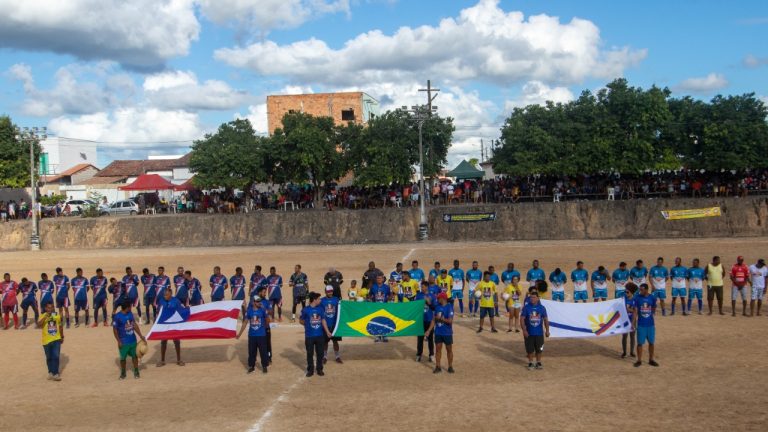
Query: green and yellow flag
{"type": "Point", "coordinates": [357, 319]}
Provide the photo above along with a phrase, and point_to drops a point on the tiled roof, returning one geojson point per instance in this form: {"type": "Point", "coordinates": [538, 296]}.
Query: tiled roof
{"type": "Point", "coordinates": [135, 168]}
{"type": "Point", "coordinates": [100, 180]}
{"type": "Point", "coordinates": [76, 169]}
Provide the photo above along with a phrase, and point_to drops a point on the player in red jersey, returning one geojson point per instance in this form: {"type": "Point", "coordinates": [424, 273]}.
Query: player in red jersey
{"type": "Point", "coordinates": [10, 302]}
{"type": "Point", "coordinates": [739, 279]}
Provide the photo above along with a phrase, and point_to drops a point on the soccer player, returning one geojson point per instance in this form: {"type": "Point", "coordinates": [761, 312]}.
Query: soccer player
{"type": "Point", "coordinates": [474, 276]}
{"type": "Point", "coordinates": [53, 338]}
{"type": "Point", "coordinates": [645, 308]}
{"type": "Point", "coordinates": [257, 321]}
{"type": "Point", "coordinates": [639, 273]}
{"type": "Point", "coordinates": [261, 291]}
{"type": "Point", "coordinates": [410, 287]}
{"type": "Point", "coordinates": [150, 294]}
{"type": "Point", "coordinates": [620, 278]}
{"type": "Point", "coordinates": [435, 272]}
{"type": "Point", "coordinates": [28, 299]}
{"type": "Point", "coordinates": [194, 289]}
{"type": "Point", "coordinates": [395, 277]}
{"type": "Point", "coordinates": [599, 281]}
{"type": "Point", "coordinates": [757, 276]}
{"type": "Point", "coordinates": [430, 302]}
{"type": "Point", "coordinates": [131, 288]}
{"type": "Point", "coordinates": [370, 275]}
{"type": "Point", "coordinates": [274, 283]}
{"type": "Point", "coordinates": [679, 275]}
{"type": "Point", "coordinates": [380, 292]}
{"type": "Point", "coordinates": [487, 301]}
{"type": "Point", "coordinates": [80, 288]}
{"type": "Point", "coordinates": [334, 278]}
{"type": "Point", "coordinates": [169, 304]}
{"type": "Point", "coordinates": [257, 279]}
{"type": "Point", "coordinates": [179, 279]}
{"type": "Point", "coordinates": [61, 284]}
{"type": "Point", "coordinates": [162, 283]}
{"type": "Point", "coordinates": [495, 279]}
{"type": "Point", "coordinates": [513, 303]}
{"type": "Point", "coordinates": [445, 282]}
{"type": "Point", "coordinates": [237, 286]}
{"type": "Point", "coordinates": [218, 284]}
{"type": "Point", "coordinates": [739, 279]}
{"type": "Point", "coordinates": [99, 289]}
{"type": "Point", "coordinates": [47, 290]}
{"type": "Point", "coordinates": [443, 329]}
{"type": "Point", "coordinates": [300, 284]}
{"type": "Point", "coordinates": [457, 289]}
{"type": "Point", "coordinates": [695, 277]}
{"type": "Point", "coordinates": [315, 331]}
{"type": "Point", "coordinates": [535, 274]}
{"type": "Point", "coordinates": [659, 275]}
{"type": "Point", "coordinates": [125, 329]}
{"type": "Point", "coordinates": [535, 326]}
{"type": "Point", "coordinates": [629, 303]}
{"type": "Point", "coordinates": [715, 278]}
{"type": "Point", "coordinates": [558, 279]}
{"type": "Point", "coordinates": [417, 274]}
{"type": "Point", "coordinates": [330, 305]}
{"type": "Point", "coordinates": [10, 301]}
{"type": "Point", "coordinates": [579, 277]}
{"type": "Point", "coordinates": [118, 294]}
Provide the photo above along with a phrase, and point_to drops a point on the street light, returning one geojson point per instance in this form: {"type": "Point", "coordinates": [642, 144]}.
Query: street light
{"type": "Point", "coordinates": [421, 113]}
{"type": "Point", "coordinates": [32, 135]}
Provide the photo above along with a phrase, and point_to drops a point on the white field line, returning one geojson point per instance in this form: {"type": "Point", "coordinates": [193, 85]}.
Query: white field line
{"type": "Point", "coordinates": [259, 425]}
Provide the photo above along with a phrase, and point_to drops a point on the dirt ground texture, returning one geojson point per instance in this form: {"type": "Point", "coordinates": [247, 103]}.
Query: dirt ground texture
{"type": "Point", "coordinates": [712, 373]}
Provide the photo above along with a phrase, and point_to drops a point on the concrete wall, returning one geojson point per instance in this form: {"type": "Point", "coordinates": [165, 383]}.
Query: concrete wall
{"type": "Point", "coordinates": [529, 221]}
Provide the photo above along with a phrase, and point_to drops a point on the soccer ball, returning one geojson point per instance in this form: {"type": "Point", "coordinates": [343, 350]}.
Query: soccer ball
{"type": "Point", "coordinates": [352, 294]}
{"type": "Point", "coordinates": [478, 294]}
{"type": "Point", "coordinates": [505, 296]}
{"type": "Point", "coordinates": [360, 299]}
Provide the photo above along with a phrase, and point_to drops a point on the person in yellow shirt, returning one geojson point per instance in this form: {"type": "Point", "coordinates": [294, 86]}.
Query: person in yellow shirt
{"type": "Point", "coordinates": [715, 276]}
{"type": "Point", "coordinates": [513, 293]}
{"type": "Point", "coordinates": [53, 337]}
{"type": "Point", "coordinates": [487, 289]}
{"type": "Point", "coordinates": [445, 282]}
{"type": "Point", "coordinates": [362, 293]}
{"type": "Point", "coordinates": [410, 287]}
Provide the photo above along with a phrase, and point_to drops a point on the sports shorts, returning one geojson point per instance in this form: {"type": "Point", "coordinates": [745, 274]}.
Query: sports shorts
{"type": "Point", "coordinates": [695, 293]}
{"type": "Point", "coordinates": [580, 295]}
{"type": "Point", "coordinates": [486, 311]}
{"type": "Point", "coordinates": [81, 304]}
{"type": "Point", "coordinates": [534, 344]}
{"type": "Point", "coordinates": [678, 292]}
{"type": "Point", "coordinates": [617, 294]}
{"type": "Point", "coordinates": [457, 294]}
{"type": "Point", "coordinates": [646, 334]}
{"type": "Point", "coordinates": [660, 294]}
{"type": "Point", "coordinates": [27, 303]}
{"type": "Point", "coordinates": [11, 309]}
{"type": "Point", "coordinates": [127, 350]}
{"type": "Point", "coordinates": [715, 291]}
{"type": "Point", "coordinates": [62, 302]}
{"type": "Point", "coordinates": [558, 296]}
{"type": "Point", "coordinates": [739, 291]}
{"type": "Point", "coordinates": [445, 340]}
{"type": "Point", "coordinates": [601, 293]}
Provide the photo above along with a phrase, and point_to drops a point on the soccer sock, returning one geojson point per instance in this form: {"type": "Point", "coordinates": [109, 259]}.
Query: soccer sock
{"type": "Point", "coordinates": [690, 301]}
{"type": "Point", "coordinates": [104, 314]}
{"type": "Point", "coordinates": [37, 316]}
{"type": "Point", "coordinates": [24, 317]}
{"type": "Point", "coordinates": [496, 309]}
{"type": "Point", "coordinates": [461, 306]}
{"type": "Point", "coordinates": [87, 320]}
{"type": "Point", "coordinates": [67, 320]}
{"type": "Point", "coordinates": [673, 307]}
{"type": "Point", "coordinates": [77, 317]}
{"type": "Point", "coordinates": [5, 319]}
{"type": "Point", "coordinates": [701, 304]}
{"type": "Point", "coordinates": [15, 319]}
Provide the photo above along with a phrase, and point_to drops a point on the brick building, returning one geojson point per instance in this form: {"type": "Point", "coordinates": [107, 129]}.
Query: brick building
{"type": "Point", "coordinates": [357, 107]}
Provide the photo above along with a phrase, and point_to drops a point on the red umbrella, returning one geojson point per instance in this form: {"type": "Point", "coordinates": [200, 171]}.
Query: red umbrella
{"type": "Point", "coordinates": [187, 186]}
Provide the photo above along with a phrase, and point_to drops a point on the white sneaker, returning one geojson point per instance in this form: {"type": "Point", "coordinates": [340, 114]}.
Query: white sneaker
{"type": "Point", "coordinates": [50, 376]}
{"type": "Point", "coordinates": [57, 377]}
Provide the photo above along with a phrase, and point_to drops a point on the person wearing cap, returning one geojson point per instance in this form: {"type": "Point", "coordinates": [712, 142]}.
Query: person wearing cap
{"type": "Point", "coordinates": [330, 305]}
{"type": "Point", "coordinates": [257, 321]}
{"type": "Point", "coordinates": [757, 277]}
{"type": "Point", "coordinates": [315, 331]}
{"type": "Point", "coordinates": [429, 322]}
{"type": "Point", "coordinates": [169, 304]}
{"type": "Point", "coordinates": [443, 328]}
{"type": "Point", "coordinates": [715, 277]}
{"type": "Point", "coordinates": [535, 326]}
{"type": "Point", "coordinates": [739, 279]}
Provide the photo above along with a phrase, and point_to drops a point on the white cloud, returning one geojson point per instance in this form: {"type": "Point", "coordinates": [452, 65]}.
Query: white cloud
{"type": "Point", "coordinates": [482, 43]}
{"type": "Point", "coordinates": [538, 93]}
{"type": "Point", "coordinates": [752, 61]}
{"type": "Point", "coordinates": [707, 84]}
{"type": "Point", "coordinates": [181, 90]}
{"type": "Point", "coordinates": [257, 115]}
{"type": "Point", "coordinates": [140, 34]}
{"type": "Point", "coordinates": [264, 15]}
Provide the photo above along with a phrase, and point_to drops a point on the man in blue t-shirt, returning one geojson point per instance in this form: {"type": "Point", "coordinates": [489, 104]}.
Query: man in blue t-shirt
{"type": "Point", "coordinates": [257, 320]}
{"type": "Point", "coordinates": [435, 272]}
{"type": "Point", "coordinates": [315, 332]}
{"type": "Point", "coordinates": [80, 289]}
{"type": "Point", "coordinates": [330, 305]}
{"type": "Point", "coordinates": [659, 275]}
{"type": "Point", "coordinates": [639, 273]}
{"type": "Point", "coordinates": [443, 328]}
{"type": "Point", "coordinates": [599, 281]}
{"type": "Point", "coordinates": [535, 326]}
{"type": "Point", "coordinates": [645, 307]}
{"type": "Point", "coordinates": [579, 277]}
{"type": "Point", "coordinates": [620, 278]}
{"type": "Point", "coordinates": [430, 301]}
{"type": "Point", "coordinates": [457, 290]}
{"type": "Point", "coordinates": [474, 277]}
{"type": "Point", "coordinates": [696, 276]}
{"type": "Point", "coordinates": [125, 329]}
{"type": "Point", "coordinates": [535, 274]}
{"type": "Point", "coordinates": [558, 279]}
{"type": "Point", "coordinates": [678, 275]}
{"type": "Point", "coordinates": [416, 273]}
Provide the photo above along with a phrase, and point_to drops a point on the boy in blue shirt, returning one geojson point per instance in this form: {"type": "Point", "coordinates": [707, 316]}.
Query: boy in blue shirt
{"type": "Point", "coordinates": [125, 329]}
{"type": "Point", "coordinates": [315, 332]}
{"type": "Point", "coordinates": [579, 277]}
{"type": "Point", "coordinates": [629, 304]}
{"type": "Point", "coordinates": [696, 276]}
{"type": "Point", "coordinates": [535, 326]}
{"type": "Point", "coordinates": [645, 307]}
{"type": "Point", "coordinates": [443, 328]}
{"type": "Point", "coordinates": [535, 274]}
{"type": "Point", "coordinates": [330, 305]}
{"type": "Point", "coordinates": [638, 273]}
{"type": "Point", "coordinates": [659, 275]}
{"type": "Point", "coordinates": [257, 321]}
{"type": "Point", "coordinates": [679, 276]}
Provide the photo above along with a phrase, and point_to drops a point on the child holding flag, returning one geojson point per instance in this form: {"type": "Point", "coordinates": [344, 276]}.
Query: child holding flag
{"type": "Point", "coordinates": [125, 329]}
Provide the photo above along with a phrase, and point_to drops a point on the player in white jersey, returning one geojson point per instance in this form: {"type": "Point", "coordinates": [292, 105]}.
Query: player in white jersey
{"type": "Point", "coordinates": [757, 278]}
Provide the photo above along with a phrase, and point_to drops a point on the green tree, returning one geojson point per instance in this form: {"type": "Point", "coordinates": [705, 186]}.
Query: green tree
{"type": "Point", "coordinates": [475, 162]}
{"type": "Point", "coordinates": [735, 134]}
{"type": "Point", "coordinates": [14, 156]}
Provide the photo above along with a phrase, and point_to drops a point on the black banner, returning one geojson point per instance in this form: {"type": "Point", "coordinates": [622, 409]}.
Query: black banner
{"type": "Point", "coordinates": [469, 217]}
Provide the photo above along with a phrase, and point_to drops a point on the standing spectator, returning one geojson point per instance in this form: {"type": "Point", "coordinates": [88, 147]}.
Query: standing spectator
{"type": "Point", "coordinates": [334, 278]}
{"type": "Point", "coordinates": [758, 274]}
{"type": "Point", "coordinates": [535, 326]}
{"type": "Point", "coordinates": [443, 332]}
{"type": "Point", "coordinates": [645, 308]}
{"type": "Point", "coordinates": [739, 279]}
{"type": "Point", "coordinates": [315, 331]}
{"type": "Point", "coordinates": [257, 320]}
{"type": "Point", "coordinates": [53, 338]}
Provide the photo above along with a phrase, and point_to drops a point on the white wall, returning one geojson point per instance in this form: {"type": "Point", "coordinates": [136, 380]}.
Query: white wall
{"type": "Point", "coordinates": [64, 153]}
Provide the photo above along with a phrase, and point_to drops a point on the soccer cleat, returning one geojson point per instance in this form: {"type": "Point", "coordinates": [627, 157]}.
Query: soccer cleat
{"type": "Point", "coordinates": [77, 325]}
{"type": "Point", "coordinates": [418, 358]}
{"type": "Point", "coordinates": [122, 375]}
{"type": "Point", "coordinates": [50, 376]}
{"type": "Point", "coordinates": [320, 373]}
{"type": "Point", "coordinates": [632, 355]}
{"type": "Point", "coordinates": [450, 369]}
{"type": "Point", "coordinates": [250, 370]}
{"type": "Point", "coordinates": [637, 363]}
{"type": "Point", "coordinates": [539, 365]}
{"type": "Point", "coordinates": [95, 325]}
{"type": "Point", "coordinates": [136, 375]}
{"type": "Point", "coordinates": [437, 369]}
{"type": "Point", "coordinates": [653, 363]}
{"type": "Point", "coordinates": [479, 330]}
{"type": "Point", "coordinates": [493, 330]}
{"type": "Point", "coordinates": [309, 374]}
{"type": "Point", "coordinates": [325, 360]}
{"type": "Point", "coordinates": [57, 377]}
{"type": "Point", "coordinates": [105, 324]}
{"type": "Point", "coordinates": [531, 366]}
{"type": "Point", "coordinates": [264, 370]}
{"type": "Point", "coordinates": [23, 327]}
{"type": "Point", "coordinates": [431, 359]}
{"type": "Point", "coordinates": [509, 331]}
{"type": "Point", "coordinates": [339, 361]}
{"type": "Point", "coordinates": [623, 355]}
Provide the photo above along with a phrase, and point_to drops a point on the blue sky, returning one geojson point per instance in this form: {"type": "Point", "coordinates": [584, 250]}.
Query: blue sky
{"type": "Point", "coordinates": [147, 76]}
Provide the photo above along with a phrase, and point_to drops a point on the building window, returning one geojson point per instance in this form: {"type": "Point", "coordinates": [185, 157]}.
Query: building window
{"type": "Point", "coordinates": [348, 115]}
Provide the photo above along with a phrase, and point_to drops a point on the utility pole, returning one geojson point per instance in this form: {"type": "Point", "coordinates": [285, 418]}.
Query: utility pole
{"type": "Point", "coordinates": [429, 90]}
{"type": "Point", "coordinates": [32, 136]}
{"type": "Point", "coordinates": [482, 151]}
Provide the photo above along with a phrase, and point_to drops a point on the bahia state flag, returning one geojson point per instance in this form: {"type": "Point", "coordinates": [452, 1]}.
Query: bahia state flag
{"type": "Point", "coordinates": [215, 320]}
{"type": "Point", "coordinates": [584, 320]}
{"type": "Point", "coordinates": [380, 319]}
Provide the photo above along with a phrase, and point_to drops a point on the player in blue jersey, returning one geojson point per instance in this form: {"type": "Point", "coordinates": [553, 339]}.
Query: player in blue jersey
{"type": "Point", "coordinates": [509, 274]}
{"type": "Point", "coordinates": [47, 290]}
{"type": "Point", "coordinates": [580, 277]}
{"type": "Point", "coordinates": [495, 279]}
{"type": "Point", "coordinates": [535, 326]}
{"type": "Point", "coordinates": [380, 292]}
{"type": "Point", "coordinates": [659, 275]}
{"type": "Point", "coordinates": [638, 273]}
{"type": "Point", "coordinates": [620, 278]}
{"type": "Point", "coordinates": [558, 279]}
{"type": "Point", "coordinates": [28, 300]}
{"type": "Point", "coordinates": [131, 287]}
{"type": "Point", "coordinates": [599, 281]}
{"type": "Point", "coordinates": [430, 301]}
{"type": "Point", "coordinates": [182, 290]}
{"type": "Point", "coordinates": [396, 275]}
{"type": "Point", "coordinates": [256, 319]}
{"type": "Point", "coordinates": [457, 290]}
{"type": "Point", "coordinates": [330, 305]}
{"type": "Point", "coordinates": [194, 289]}
{"type": "Point", "coordinates": [535, 274]}
{"type": "Point", "coordinates": [315, 332]}
{"type": "Point", "coordinates": [474, 277]}
{"type": "Point", "coordinates": [99, 290]}
{"type": "Point", "coordinates": [256, 280]}
{"type": "Point", "coordinates": [416, 273]}
{"type": "Point", "coordinates": [150, 294]}
{"type": "Point", "coordinates": [162, 282]}
{"type": "Point", "coordinates": [679, 276]}
{"type": "Point", "coordinates": [435, 272]}
{"type": "Point", "coordinates": [61, 284]}
{"type": "Point", "coordinates": [167, 302]}
{"type": "Point", "coordinates": [218, 283]}
{"type": "Point", "coordinates": [274, 283]}
{"type": "Point", "coordinates": [125, 330]}
{"type": "Point", "coordinates": [696, 276]}
{"type": "Point", "coordinates": [179, 279]}
{"type": "Point", "coordinates": [645, 308]}
{"type": "Point", "coordinates": [118, 294]}
{"type": "Point", "coordinates": [80, 287]}
{"type": "Point", "coordinates": [261, 291]}
{"type": "Point", "coordinates": [443, 326]}
{"type": "Point", "coordinates": [237, 285]}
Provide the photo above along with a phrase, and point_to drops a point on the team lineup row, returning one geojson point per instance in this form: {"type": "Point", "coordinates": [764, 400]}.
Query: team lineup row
{"type": "Point", "coordinates": [482, 286]}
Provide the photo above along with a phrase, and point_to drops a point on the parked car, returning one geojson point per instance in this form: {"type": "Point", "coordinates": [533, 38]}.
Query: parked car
{"type": "Point", "coordinates": [124, 207]}
{"type": "Point", "coordinates": [76, 207]}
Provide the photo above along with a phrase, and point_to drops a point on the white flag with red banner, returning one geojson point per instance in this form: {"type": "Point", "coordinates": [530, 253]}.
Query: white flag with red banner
{"type": "Point", "coordinates": [215, 320]}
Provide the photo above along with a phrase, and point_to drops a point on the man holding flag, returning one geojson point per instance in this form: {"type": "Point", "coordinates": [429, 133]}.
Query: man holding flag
{"type": "Point", "coordinates": [330, 305]}
{"type": "Point", "coordinates": [169, 305]}
{"type": "Point", "coordinates": [315, 331]}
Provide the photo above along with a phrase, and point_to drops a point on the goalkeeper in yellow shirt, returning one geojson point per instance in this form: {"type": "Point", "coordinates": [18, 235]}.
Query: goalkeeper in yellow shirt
{"type": "Point", "coordinates": [487, 290]}
{"type": "Point", "coordinates": [409, 287]}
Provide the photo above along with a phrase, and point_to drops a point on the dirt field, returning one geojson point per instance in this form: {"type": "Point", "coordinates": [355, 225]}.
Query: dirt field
{"type": "Point", "coordinates": [712, 373]}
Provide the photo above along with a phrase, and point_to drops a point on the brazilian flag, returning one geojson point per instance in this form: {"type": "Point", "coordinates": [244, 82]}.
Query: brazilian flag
{"type": "Point", "coordinates": [380, 319]}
